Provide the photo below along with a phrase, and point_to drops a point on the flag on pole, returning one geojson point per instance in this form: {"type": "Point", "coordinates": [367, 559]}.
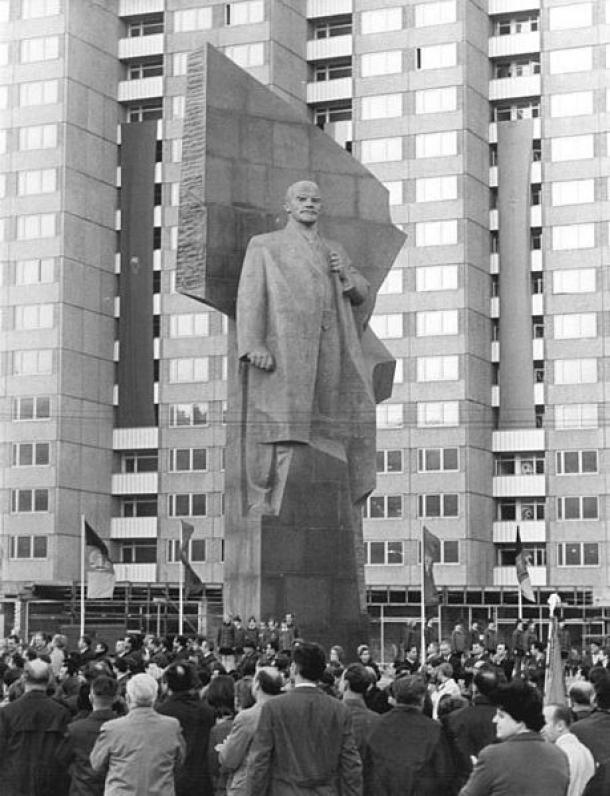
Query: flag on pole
{"type": "Point", "coordinates": [554, 684]}
{"type": "Point", "coordinates": [193, 585]}
{"type": "Point", "coordinates": [431, 553]}
{"type": "Point", "coordinates": [99, 570]}
{"type": "Point", "coordinates": [523, 576]}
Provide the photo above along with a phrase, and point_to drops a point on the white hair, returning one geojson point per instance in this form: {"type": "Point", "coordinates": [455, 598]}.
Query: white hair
{"type": "Point", "coordinates": [142, 690]}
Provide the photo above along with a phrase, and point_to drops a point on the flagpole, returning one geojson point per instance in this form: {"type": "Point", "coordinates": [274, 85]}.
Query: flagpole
{"type": "Point", "coordinates": [180, 589]}
{"type": "Point", "coordinates": [423, 597]}
{"type": "Point", "coordinates": [82, 574]}
{"type": "Point", "coordinates": [519, 602]}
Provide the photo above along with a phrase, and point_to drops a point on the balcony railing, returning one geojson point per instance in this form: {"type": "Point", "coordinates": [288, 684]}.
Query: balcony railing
{"type": "Point", "coordinates": [329, 90]}
{"type": "Point", "coordinates": [505, 532]}
{"type": "Point", "coordinates": [133, 528]}
{"type": "Point", "coordinates": [135, 483]}
{"type": "Point", "coordinates": [127, 439]}
{"type": "Point", "coordinates": [518, 485]}
{"type": "Point", "coordinates": [332, 47]}
{"type": "Point", "coordinates": [136, 573]}
{"type": "Point", "coordinates": [140, 46]}
{"type": "Point", "coordinates": [507, 576]}
{"type": "Point", "coordinates": [514, 44]}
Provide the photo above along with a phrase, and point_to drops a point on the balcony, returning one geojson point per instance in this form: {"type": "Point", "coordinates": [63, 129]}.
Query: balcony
{"type": "Point", "coordinates": [494, 307]}
{"type": "Point", "coordinates": [136, 573]}
{"type": "Point", "coordinates": [536, 216]}
{"type": "Point", "coordinates": [538, 348]}
{"type": "Point", "coordinates": [133, 528]}
{"type": "Point", "coordinates": [494, 263]}
{"type": "Point", "coordinates": [493, 219]}
{"type": "Point", "coordinates": [536, 260]}
{"type": "Point", "coordinates": [530, 530]}
{"type": "Point", "coordinates": [539, 393]}
{"type": "Point", "coordinates": [135, 483]}
{"type": "Point", "coordinates": [527, 439]}
{"type": "Point", "coordinates": [493, 132]}
{"type": "Point", "coordinates": [514, 87]}
{"type": "Point", "coordinates": [511, 6]}
{"type": "Point", "coordinates": [537, 304]}
{"type": "Point", "coordinates": [136, 8]}
{"type": "Point", "coordinates": [507, 576]}
{"type": "Point", "coordinates": [493, 176]}
{"type": "Point", "coordinates": [329, 90]}
{"type": "Point", "coordinates": [328, 8]}
{"type": "Point", "coordinates": [128, 439]}
{"type": "Point", "coordinates": [536, 168]}
{"type": "Point", "coordinates": [146, 88]}
{"type": "Point", "coordinates": [332, 47]}
{"type": "Point", "coordinates": [139, 46]}
{"type": "Point", "coordinates": [495, 351]}
{"type": "Point", "coordinates": [514, 44]}
{"type": "Point", "coordinates": [518, 485]}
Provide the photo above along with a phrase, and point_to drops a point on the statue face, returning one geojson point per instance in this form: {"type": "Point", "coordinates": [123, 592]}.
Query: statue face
{"type": "Point", "coordinates": [303, 202]}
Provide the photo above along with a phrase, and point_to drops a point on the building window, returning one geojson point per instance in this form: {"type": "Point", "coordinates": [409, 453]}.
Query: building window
{"type": "Point", "coordinates": [437, 505]}
{"type": "Point", "coordinates": [193, 324]}
{"type": "Point", "coordinates": [187, 505]}
{"type": "Point", "coordinates": [568, 416]}
{"type": "Point", "coordinates": [433, 145]}
{"type": "Point", "coordinates": [192, 19]}
{"type": "Point", "coordinates": [523, 67]}
{"type": "Point", "coordinates": [531, 510]}
{"type": "Point", "coordinates": [147, 26]}
{"type": "Point", "coordinates": [525, 464]}
{"type": "Point", "coordinates": [572, 147]}
{"type": "Point", "coordinates": [44, 48]}
{"type": "Point", "coordinates": [197, 552]}
{"type": "Point", "coordinates": [33, 272]}
{"type": "Point", "coordinates": [41, 92]}
{"type": "Point", "coordinates": [138, 552]}
{"type": "Point", "coordinates": [330, 114]}
{"type": "Point", "coordinates": [436, 233]}
{"type": "Point", "coordinates": [187, 459]}
{"type": "Point", "coordinates": [390, 416]}
{"type": "Point", "coordinates": [576, 15]}
{"type": "Point", "coordinates": [138, 70]}
{"type": "Point", "coordinates": [34, 316]}
{"type": "Point", "coordinates": [436, 100]}
{"type": "Point", "coordinates": [33, 363]}
{"type": "Point", "coordinates": [189, 369]}
{"type": "Point", "coordinates": [573, 103]}
{"type": "Point", "coordinates": [575, 325]}
{"type": "Point", "coordinates": [381, 106]}
{"type": "Point", "coordinates": [436, 56]}
{"type": "Point", "coordinates": [574, 280]}
{"type": "Point", "coordinates": [381, 20]}
{"type": "Point", "coordinates": [39, 225]}
{"type": "Point", "coordinates": [441, 13]}
{"type": "Point", "coordinates": [448, 552]}
{"type": "Point", "coordinates": [514, 111]}
{"type": "Point", "coordinates": [389, 461]}
{"type": "Point", "coordinates": [380, 150]}
{"type": "Point", "coordinates": [32, 9]}
{"type": "Point", "coordinates": [39, 136]}
{"type": "Point", "coordinates": [140, 462]}
{"type": "Point", "coordinates": [437, 413]}
{"type": "Point", "coordinates": [247, 55]}
{"type": "Point", "coordinates": [387, 326]}
{"type": "Point", "coordinates": [437, 460]}
{"type": "Point", "coordinates": [387, 62]}
{"type": "Point", "coordinates": [575, 59]}
{"type": "Point", "coordinates": [28, 547]}
{"type": "Point", "coordinates": [575, 371]}
{"type": "Point", "coordinates": [384, 553]}
{"type": "Point", "coordinates": [577, 508]}
{"type": "Point", "coordinates": [435, 189]}
{"type": "Point", "coordinates": [437, 368]}
{"type": "Point", "coordinates": [578, 554]}
{"type": "Point", "coordinates": [392, 284]}
{"type": "Point", "coordinates": [534, 554]}
{"type": "Point", "coordinates": [576, 462]}
{"type": "Point", "coordinates": [178, 107]}
{"type": "Point", "coordinates": [30, 454]}
{"type": "Point", "coordinates": [436, 277]}
{"type": "Point", "coordinates": [573, 236]}
{"type": "Point", "coordinates": [38, 408]}
{"type": "Point", "coordinates": [29, 500]}
{"type": "Point", "coordinates": [139, 506]}
{"type": "Point", "coordinates": [572, 192]}
{"type": "Point", "coordinates": [431, 323]}
{"type": "Point", "coordinates": [188, 415]}
{"type": "Point", "coordinates": [383, 507]}
{"type": "Point", "coordinates": [245, 13]}
{"type": "Point", "coordinates": [145, 111]}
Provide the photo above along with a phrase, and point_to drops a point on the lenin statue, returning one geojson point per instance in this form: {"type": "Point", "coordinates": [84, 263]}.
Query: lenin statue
{"type": "Point", "coordinates": [301, 311]}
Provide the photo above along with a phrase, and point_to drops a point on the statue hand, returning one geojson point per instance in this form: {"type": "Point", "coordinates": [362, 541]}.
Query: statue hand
{"type": "Point", "coordinates": [261, 358]}
{"type": "Point", "coordinates": [336, 266]}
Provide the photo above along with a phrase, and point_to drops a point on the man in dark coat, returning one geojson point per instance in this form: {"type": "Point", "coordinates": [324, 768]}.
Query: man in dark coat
{"type": "Point", "coordinates": [355, 682]}
{"type": "Point", "coordinates": [81, 736]}
{"type": "Point", "coordinates": [31, 730]}
{"type": "Point", "coordinates": [196, 720]}
{"type": "Point", "coordinates": [407, 753]}
{"type": "Point", "coordinates": [471, 728]}
{"type": "Point", "coordinates": [304, 745]}
{"type": "Point", "coordinates": [594, 733]}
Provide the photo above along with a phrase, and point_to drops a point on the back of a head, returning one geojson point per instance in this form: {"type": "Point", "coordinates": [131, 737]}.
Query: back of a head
{"type": "Point", "coordinates": [142, 690]}
{"type": "Point", "coordinates": [358, 678]}
{"type": "Point", "coordinates": [221, 694]}
{"type": "Point", "coordinates": [561, 713]}
{"type": "Point", "coordinates": [446, 669]}
{"type": "Point", "coordinates": [269, 680]}
{"type": "Point", "coordinates": [409, 689]}
{"type": "Point", "coordinates": [243, 693]}
{"type": "Point", "coordinates": [104, 688]}
{"type": "Point", "coordinates": [181, 676]}
{"type": "Point", "coordinates": [581, 693]}
{"type": "Point", "coordinates": [486, 681]}
{"type": "Point", "coordinates": [36, 674]}
{"type": "Point", "coordinates": [522, 702]}
{"type": "Point", "coordinates": [310, 660]}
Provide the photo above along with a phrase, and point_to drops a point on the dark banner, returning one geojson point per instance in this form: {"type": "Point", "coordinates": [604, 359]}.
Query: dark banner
{"type": "Point", "coordinates": [136, 366]}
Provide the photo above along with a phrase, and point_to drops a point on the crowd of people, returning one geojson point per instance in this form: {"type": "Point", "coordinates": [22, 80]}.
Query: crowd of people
{"type": "Point", "coordinates": [258, 711]}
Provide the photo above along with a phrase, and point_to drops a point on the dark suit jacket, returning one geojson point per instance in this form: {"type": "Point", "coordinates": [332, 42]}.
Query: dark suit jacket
{"type": "Point", "coordinates": [74, 753]}
{"type": "Point", "coordinates": [363, 722]}
{"type": "Point", "coordinates": [407, 755]}
{"type": "Point", "coordinates": [594, 732]}
{"type": "Point", "coordinates": [196, 720]}
{"type": "Point", "coordinates": [304, 746]}
{"type": "Point", "coordinates": [523, 765]}
{"type": "Point", "coordinates": [31, 731]}
{"type": "Point", "coordinates": [469, 730]}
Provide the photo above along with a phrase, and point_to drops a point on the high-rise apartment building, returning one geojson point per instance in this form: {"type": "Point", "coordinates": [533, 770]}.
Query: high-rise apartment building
{"type": "Point", "coordinates": [486, 123]}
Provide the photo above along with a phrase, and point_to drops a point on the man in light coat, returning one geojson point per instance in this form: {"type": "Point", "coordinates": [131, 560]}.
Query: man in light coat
{"type": "Point", "coordinates": [139, 752]}
{"type": "Point", "coordinates": [557, 721]}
